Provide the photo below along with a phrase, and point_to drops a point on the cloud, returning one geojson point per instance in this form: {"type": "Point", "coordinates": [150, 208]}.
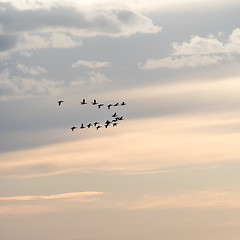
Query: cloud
{"type": "Point", "coordinates": [7, 42]}
{"type": "Point", "coordinates": [198, 52]}
{"type": "Point", "coordinates": [13, 86]}
{"type": "Point", "coordinates": [81, 195]}
{"type": "Point", "coordinates": [195, 199]}
{"type": "Point", "coordinates": [37, 70]}
{"type": "Point", "coordinates": [181, 62]}
{"type": "Point", "coordinates": [96, 78]}
{"type": "Point", "coordinates": [43, 203]}
{"type": "Point", "coordinates": [90, 64]}
{"type": "Point", "coordinates": [131, 147]}
{"type": "Point", "coordinates": [62, 25]}
{"type": "Point", "coordinates": [26, 209]}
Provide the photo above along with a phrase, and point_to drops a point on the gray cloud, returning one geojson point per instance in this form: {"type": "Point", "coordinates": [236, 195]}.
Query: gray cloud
{"type": "Point", "coordinates": [7, 41]}
{"type": "Point", "coordinates": [100, 22]}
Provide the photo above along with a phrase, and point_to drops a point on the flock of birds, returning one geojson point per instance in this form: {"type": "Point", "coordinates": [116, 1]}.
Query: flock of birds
{"type": "Point", "coordinates": [115, 117]}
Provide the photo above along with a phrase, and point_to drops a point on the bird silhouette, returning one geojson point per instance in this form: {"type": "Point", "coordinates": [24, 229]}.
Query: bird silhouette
{"type": "Point", "coordinates": [109, 106]}
{"type": "Point", "coordinates": [116, 104]}
{"type": "Point", "coordinates": [89, 125]}
{"type": "Point", "coordinates": [115, 124]}
{"type": "Point", "coordinates": [114, 115]}
{"type": "Point", "coordinates": [94, 102]}
{"type": "Point", "coordinates": [95, 123]}
{"type": "Point", "coordinates": [123, 103]}
{"type": "Point", "coordinates": [82, 126]}
{"type": "Point", "coordinates": [100, 105]}
{"type": "Point", "coordinates": [73, 128]}
{"type": "Point", "coordinates": [60, 102]}
{"type": "Point", "coordinates": [83, 101]}
{"type": "Point", "coordinates": [98, 127]}
{"type": "Point", "coordinates": [107, 122]}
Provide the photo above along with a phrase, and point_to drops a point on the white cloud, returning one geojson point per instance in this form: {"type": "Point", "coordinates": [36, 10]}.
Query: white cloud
{"type": "Point", "coordinates": [31, 42]}
{"type": "Point", "coordinates": [37, 70]}
{"type": "Point", "coordinates": [15, 86]}
{"type": "Point", "coordinates": [180, 62]}
{"type": "Point", "coordinates": [198, 46]}
{"type": "Point", "coordinates": [197, 52]}
{"type": "Point", "coordinates": [97, 78]}
{"type": "Point", "coordinates": [90, 64]}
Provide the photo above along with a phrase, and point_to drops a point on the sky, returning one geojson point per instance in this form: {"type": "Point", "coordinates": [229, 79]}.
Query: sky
{"type": "Point", "coordinates": [169, 169]}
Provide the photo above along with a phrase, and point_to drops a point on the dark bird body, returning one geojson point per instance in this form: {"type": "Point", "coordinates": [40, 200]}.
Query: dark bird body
{"type": "Point", "coordinates": [98, 127]}
{"type": "Point", "coordinates": [60, 102]}
{"type": "Point", "coordinates": [109, 106]}
{"type": "Point", "coordinates": [95, 123]}
{"type": "Point", "coordinates": [83, 101]}
{"type": "Point", "coordinates": [100, 105]}
{"type": "Point", "coordinates": [73, 128]}
{"type": "Point", "coordinates": [82, 126]}
{"type": "Point", "coordinates": [94, 102]}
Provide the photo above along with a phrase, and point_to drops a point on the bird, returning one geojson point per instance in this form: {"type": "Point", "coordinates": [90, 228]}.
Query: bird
{"type": "Point", "coordinates": [94, 102]}
{"type": "Point", "coordinates": [95, 123]}
{"type": "Point", "coordinates": [115, 124]}
{"type": "Point", "coordinates": [82, 126]}
{"type": "Point", "coordinates": [89, 125]}
{"type": "Point", "coordinates": [114, 115]}
{"type": "Point", "coordinates": [60, 102]}
{"type": "Point", "coordinates": [98, 127]}
{"type": "Point", "coordinates": [120, 118]}
{"type": "Point", "coordinates": [107, 122]}
{"type": "Point", "coordinates": [116, 104]}
{"type": "Point", "coordinates": [123, 103]}
{"type": "Point", "coordinates": [100, 105]}
{"type": "Point", "coordinates": [73, 128]}
{"type": "Point", "coordinates": [109, 106]}
{"type": "Point", "coordinates": [83, 101]}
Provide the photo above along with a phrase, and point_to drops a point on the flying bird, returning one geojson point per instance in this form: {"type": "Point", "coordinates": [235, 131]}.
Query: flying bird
{"type": "Point", "coordinates": [114, 115]}
{"type": "Point", "coordinates": [123, 103]}
{"type": "Point", "coordinates": [107, 122]}
{"type": "Point", "coordinates": [94, 102]}
{"type": "Point", "coordinates": [89, 125]}
{"type": "Point", "coordinates": [109, 106]}
{"type": "Point", "coordinates": [100, 105]}
{"type": "Point", "coordinates": [115, 124]}
{"type": "Point", "coordinates": [83, 101]}
{"type": "Point", "coordinates": [95, 123]}
{"type": "Point", "coordinates": [73, 128]}
{"type": "Point", "coordinates": [82, 126]}
{"type": "Point", "coordinates": [60, 102]}
{"type": "Point", "coordinates": [98, 127]}
{"type": "Point", "coordinates": [116, 104]}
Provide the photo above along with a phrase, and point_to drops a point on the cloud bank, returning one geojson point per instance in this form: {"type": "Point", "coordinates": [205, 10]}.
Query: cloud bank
{"type": "Point", "coordinates": [198, 52]}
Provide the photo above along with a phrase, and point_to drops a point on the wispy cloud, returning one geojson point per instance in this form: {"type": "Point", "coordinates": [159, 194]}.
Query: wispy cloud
{"type": "Point", "coordinates": [43, 204]}
{"type": "Point", "coordinates": [166, 142]}
{"type": "Point", "coordinates": [37, 70]}
{"type": "Point", "coordinates": [79, 195]}
{"type": "Point", "coordinates": [90, 64]}
{"type": "Point", "coordinates": [14, 86]}
{"type": "Point", "coordinates": [195, 199]}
